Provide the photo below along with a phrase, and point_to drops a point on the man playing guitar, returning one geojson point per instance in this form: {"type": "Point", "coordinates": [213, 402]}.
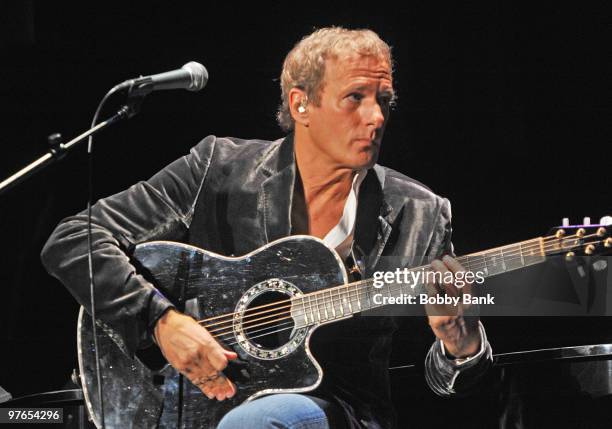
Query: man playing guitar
{"type": "Point", "coordinates": [232, 196]}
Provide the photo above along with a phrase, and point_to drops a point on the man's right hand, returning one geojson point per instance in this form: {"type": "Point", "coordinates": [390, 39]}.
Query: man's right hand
{"type": "Point", "coordinates": [190, 348]}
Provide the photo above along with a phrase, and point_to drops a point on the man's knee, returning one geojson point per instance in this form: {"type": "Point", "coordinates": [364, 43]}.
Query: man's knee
{"type": "Point", "coordinates": [283, 411]}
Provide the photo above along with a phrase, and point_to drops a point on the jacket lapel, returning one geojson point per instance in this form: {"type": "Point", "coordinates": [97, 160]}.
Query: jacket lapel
{"type": "Point", "coordinates": [374, 218]}
{"type": "Point", "coordinates": [277, 191]}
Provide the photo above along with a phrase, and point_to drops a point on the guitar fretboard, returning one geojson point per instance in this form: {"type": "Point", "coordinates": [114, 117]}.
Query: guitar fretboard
{"type": "Point", "coordinates": [343, 301]}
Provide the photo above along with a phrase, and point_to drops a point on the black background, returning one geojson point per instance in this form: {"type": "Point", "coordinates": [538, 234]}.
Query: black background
{"type": "Point", "coordinates": [503, 109]}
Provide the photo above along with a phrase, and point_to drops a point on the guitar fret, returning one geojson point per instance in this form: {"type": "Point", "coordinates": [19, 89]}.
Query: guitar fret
{"type": "Point", "coordinates": [366, 294]}
{"type": "Point", "coordinates": [350, 298]}
{"type": "Point", "coordinates": [471, 263]}
{"type": "Point", "coordinates": [310, 306]}
{"type": "Point", "coordinates": [331, 301]}
{"type": "Point", "coordinates": [494, 267]}
{"type": "Point", "coordinates": [324, 306]}
{"type": "Point", "coordinates": [304, 310]}
{"type": "Point", "coordinates": [514, 262]}
{"type": "Point", "coordinates": [339, 302]}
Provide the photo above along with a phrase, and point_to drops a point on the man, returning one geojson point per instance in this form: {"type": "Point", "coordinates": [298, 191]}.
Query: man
{"type": "Point", "coordinates": [232, 196]}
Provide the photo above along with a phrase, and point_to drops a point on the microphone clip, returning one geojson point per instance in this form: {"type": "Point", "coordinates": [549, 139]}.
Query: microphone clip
{"type": "Point", "coordinates": [137, 91]}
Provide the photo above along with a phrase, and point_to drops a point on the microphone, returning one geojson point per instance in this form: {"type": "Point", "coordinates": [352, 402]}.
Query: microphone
{"type": "Point", "coordinates": [192, 77]}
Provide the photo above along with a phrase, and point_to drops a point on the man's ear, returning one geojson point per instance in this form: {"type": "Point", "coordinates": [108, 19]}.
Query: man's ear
{"type": "Point", "coordinates": [298, 105]}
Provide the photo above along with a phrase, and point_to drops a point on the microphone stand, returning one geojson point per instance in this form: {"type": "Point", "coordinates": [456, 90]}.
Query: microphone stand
{"type": "Point", "coordinates": [58, 150]}
{"type": "Point", "coordinates": [136, 94]}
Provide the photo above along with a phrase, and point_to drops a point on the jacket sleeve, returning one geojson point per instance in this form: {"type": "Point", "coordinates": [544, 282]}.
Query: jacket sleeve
{"type": "Point", "coordinates": [159, 208]}
{"type": "Point", "coordinates": [443, 375]}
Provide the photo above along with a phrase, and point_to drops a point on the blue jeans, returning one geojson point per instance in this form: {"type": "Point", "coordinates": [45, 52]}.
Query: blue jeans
{"type": "Point", "coordinates": [283, 411]}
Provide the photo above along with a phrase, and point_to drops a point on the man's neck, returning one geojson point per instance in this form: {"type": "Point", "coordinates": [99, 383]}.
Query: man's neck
{"type": "Point", "coordinates": [321, 178]}
{"type": "Point", "coordinates": [326, 187]}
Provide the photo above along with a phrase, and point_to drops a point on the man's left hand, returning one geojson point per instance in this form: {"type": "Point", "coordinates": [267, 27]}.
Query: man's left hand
{"type": "Point", "coordinates": [459, 333]}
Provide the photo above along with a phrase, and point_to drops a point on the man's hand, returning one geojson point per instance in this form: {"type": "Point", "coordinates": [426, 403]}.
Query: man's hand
{"type": "Point", "coordinates": [191, 349]}
{"type": "Point", "coordinates": [460, 334]}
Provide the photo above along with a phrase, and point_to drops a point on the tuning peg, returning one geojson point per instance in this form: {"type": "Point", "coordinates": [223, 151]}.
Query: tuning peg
{"type": "Point", "coordinates": [569, 256]}
{"type": "Point", "coordinates": [586, 220]}
{"type": "Point", "coordinates": [580, 232]}
{"type": "Point", "coordinates": [589, 249]}
{"type": "Point", "coordinates": [560, 233]}
{"type": "Point", "coordinates": [565, 221]}
{"type": "Point", "coordinates": [601, 231]}
{"type": "Point", "coordinates": [608, 242]}
{"type": "Point", "coordinates": [606, 220]}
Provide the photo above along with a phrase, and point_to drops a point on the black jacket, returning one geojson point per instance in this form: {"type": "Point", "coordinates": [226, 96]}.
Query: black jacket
{"type": "Point", "coordinates": [231, 196]}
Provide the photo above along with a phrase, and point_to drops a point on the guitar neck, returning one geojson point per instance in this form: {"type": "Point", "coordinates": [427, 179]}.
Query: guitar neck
{"type": "Point", "coordinates": [343, 301]}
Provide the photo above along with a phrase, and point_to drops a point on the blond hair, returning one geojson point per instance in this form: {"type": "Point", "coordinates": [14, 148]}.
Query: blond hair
{"type": "Point", "coordinates": [304, 66]}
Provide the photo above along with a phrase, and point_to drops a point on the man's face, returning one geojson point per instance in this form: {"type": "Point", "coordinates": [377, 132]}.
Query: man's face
{"type": "Point", "coordinates": [348, 125]}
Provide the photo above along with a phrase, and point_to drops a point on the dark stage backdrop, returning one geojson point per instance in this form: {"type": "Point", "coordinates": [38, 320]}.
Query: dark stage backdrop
{"type": "Point", "coordinates": [502, 108]}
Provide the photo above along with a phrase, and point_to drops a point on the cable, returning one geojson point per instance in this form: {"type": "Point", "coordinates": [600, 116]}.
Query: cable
{"type": "Point", "coordinates": [90, 250]}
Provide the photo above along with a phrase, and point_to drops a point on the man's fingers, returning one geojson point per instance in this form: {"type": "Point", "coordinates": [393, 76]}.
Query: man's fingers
{"type": "Point", "coordinates": [215, 386]}
{"type": "Point", "coordinates": [452, 264]}
{"type": "Point", "coordinates": [230, 355]}
{"type": "Point", "coordinates": [447, 277]}
{"type": "Point", "coordinates": [218, 358]}
{"type": "Point", "coordinates": [192, 350]}
{"type": "Point", "coordinates": [225, 390]}
{"type": "Point", "coordinates": [432, 290]}
{"type": "Point", "coordinates": [439, 266]}
{"type": "Point", "coordinates": [439, 270]}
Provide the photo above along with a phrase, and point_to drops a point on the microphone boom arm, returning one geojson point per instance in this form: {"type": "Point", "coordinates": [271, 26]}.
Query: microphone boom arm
{"type": "Point", "coordinates": [58, 150]}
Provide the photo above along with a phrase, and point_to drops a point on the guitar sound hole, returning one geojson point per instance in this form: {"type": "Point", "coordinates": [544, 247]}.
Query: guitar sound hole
{"type": "Point", "coordinates": [267, 322]}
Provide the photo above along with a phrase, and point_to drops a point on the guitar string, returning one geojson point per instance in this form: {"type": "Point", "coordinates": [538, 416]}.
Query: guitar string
{"type": "Point", "coordinates": [269, 327]}
{"type": "Point", "coordinates": [507, 257]}
{"type": "Point", "coordinates": [511, 253]}
{"type": "Point", "coordinates": [367, 282]}
{"type": "Point", "coordinates": [317, 308]}
{"type": "Point", "coordinates": [261, 335]}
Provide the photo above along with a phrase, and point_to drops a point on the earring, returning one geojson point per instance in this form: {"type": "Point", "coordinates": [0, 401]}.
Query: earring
{"type": "Point", "coordinates": [301, 109]}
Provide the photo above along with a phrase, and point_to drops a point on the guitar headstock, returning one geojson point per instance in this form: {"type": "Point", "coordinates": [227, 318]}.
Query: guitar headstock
{"type": "Point", "coordinates": [585, 239]}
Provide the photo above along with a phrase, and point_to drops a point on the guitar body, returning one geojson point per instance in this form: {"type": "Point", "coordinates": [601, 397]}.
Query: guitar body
{"type": "Point", "coordinates": [272, 357]}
